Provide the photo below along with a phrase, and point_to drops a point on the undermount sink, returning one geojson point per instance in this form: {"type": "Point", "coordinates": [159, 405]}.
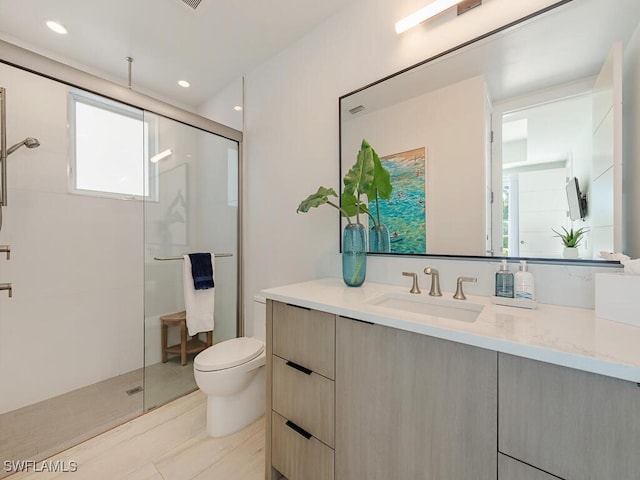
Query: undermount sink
{"type": "Point", "coordinates": [461, 310]}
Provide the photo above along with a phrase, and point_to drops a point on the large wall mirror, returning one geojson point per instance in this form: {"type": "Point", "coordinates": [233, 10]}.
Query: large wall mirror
{"type": "Point", "coordinates": [499, 144]}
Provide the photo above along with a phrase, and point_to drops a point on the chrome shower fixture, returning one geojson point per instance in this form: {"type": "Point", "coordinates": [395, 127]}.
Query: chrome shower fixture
{"type": "Point", "coordinates": [28, 142]}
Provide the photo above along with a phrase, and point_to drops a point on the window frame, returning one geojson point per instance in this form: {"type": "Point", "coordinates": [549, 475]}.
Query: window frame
{"type": "Point", "coordinates": [149, 127]}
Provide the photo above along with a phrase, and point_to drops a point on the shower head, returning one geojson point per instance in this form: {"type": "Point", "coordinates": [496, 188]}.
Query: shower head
{"type": "Point", "coordinates": [28, 142]}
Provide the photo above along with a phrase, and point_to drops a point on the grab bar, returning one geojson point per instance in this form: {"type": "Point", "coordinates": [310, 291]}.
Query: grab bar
{"type": "Point", "coordinates": [217, 255]}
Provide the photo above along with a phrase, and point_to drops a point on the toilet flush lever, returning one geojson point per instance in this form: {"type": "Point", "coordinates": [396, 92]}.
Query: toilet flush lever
{"type": "Point", "coordinates": [6, 249]}
{"type": "Point", "coordinates": [8, 287]}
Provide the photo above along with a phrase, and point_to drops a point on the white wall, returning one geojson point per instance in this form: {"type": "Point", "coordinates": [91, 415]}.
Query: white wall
{"type": "Point", "coordinates": [450, 124]}
{"type": "Point", "coordinates": [76, 261]}
{"type": "Point", "coordinates": [291, 141]}
{"type": "Point", "coordinates": [220, 107]}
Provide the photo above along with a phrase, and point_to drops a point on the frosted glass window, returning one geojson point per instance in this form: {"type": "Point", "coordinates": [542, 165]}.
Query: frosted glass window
{"type": "Point", "coordinates": [109, 148]}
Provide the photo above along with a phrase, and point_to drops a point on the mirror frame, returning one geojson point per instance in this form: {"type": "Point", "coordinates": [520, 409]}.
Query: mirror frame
{"type": "Point", "coordinates": [532, 260]}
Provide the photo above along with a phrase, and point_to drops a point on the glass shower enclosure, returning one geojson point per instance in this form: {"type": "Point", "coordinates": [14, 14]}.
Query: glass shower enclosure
{"type": "Point", "coordinates": [195, 209]}
{"type": "Point", "coordinates": [80, 337]}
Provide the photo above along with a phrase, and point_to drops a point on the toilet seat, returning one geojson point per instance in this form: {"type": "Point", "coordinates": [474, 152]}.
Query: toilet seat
{"type": "Point", "coordinates": [228, 354]}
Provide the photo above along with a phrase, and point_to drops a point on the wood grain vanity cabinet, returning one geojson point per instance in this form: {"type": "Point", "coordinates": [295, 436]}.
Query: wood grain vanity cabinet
{"type": "Point", "coordinates": [410, 406]}
{"type": "Point", "coordinates": [570, 423]}
{"type": "Point", "coordinates": [300, 393]}
{"type": "Point", "coordinates": [511, 469]}
{"type": "Point", "coordinates": [350, 400]}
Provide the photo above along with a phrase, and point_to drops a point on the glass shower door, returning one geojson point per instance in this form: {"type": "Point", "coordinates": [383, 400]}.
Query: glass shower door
{"type": "Point", "coordinates": [192, 208]}
{"type": "Point", "coordinates": [71, 334]}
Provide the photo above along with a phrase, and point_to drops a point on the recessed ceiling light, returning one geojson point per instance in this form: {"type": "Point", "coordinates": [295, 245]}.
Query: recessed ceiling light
{"type": "Point", "coordinates": [56, 27]}
{"type": "Point", "coordinates": [237, 108]}
{"type": "Point", "coordinates": [184, 83]}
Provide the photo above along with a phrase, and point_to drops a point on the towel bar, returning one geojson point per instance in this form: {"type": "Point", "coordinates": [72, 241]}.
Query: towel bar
{"type": "Point", "coordinates": [217, 255]}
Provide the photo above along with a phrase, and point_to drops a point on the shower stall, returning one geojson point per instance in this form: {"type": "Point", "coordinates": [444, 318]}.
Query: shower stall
{"type": "Point", "coordinates": [88, 221]}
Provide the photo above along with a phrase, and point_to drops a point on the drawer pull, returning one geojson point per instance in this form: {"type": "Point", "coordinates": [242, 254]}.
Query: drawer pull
{"type": "Point", "coordinates": [297, 306]}
{"type": "Point", "coordinates": [360, 321]}
{"type": "Point", "coordinates": [300, 368]}
{"type": "Point", "coordinates": [298, 429]}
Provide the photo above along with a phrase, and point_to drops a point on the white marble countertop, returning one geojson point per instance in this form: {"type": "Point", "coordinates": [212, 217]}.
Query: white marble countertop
{"type": "Point", "coordinates": [571, 337]}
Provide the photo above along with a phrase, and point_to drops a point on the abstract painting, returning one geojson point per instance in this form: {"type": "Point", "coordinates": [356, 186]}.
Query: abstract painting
{"type": "Point", "coordinates": [404, 213]}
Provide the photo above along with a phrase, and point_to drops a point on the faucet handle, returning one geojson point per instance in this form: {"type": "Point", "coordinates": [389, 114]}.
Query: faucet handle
{"type": "Point", "coordinates": [435, 281]}
{"type": "Point", "coordinates": [414, 287]}
{"type": "Point", "coordinates": [459, 295]}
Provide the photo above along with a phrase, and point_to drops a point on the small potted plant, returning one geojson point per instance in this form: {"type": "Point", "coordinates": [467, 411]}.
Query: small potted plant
{"type": "Point", "coordinates": [571, 240]}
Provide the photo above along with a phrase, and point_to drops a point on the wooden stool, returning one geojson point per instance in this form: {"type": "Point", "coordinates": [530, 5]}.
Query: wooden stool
{"type": "Point", "coordinates": [194, 345]}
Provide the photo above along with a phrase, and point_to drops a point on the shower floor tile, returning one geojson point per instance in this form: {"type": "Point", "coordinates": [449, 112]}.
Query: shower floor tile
{"type": "Point", "coordinates": [164, 382]}
{"type": "Point", "coordinates": [40, 430]}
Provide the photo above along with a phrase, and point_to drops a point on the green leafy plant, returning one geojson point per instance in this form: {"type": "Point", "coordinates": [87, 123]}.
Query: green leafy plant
{"type": "Point", "coordinates": [366, 177]}
{"type": "Point", "coordinates": [381, 187]}
{"type": "Point", "coordinates": [358, 180]}
{"type": "Point", "coordinates": [321, 197]}
{"type": "Point", "coordinates": [571, 238]}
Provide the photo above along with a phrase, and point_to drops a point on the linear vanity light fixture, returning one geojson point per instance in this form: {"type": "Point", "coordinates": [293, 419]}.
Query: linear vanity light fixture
{"type": "Point", "coordinates": [159, 156]}
{"type": "Point", "coordinates": [433, 9]}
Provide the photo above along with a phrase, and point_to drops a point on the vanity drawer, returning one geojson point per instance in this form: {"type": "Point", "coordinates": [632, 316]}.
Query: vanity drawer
{"type": "Point", "coordinates": [307, 399]}
{"type": "Point", "coordinates": [306, 337]}
{"type": "Point", "coordinates": [297, 457]}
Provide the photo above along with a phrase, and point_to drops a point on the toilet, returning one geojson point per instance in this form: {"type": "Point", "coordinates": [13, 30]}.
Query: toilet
{"type": "Point", "coordinates": [232, 376]}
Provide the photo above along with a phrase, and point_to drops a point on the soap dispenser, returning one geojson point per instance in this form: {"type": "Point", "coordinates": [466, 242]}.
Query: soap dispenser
{"type": "Point", "coordinates": [524, 285]}
{"type": "Point", "coordinates": [504, 281]}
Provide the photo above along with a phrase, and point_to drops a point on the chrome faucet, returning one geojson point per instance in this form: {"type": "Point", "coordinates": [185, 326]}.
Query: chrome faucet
{"type": "Point", "coordinates": [414, 287]}
{"type": "Point", "coordinates": [435, 281]}
{"type": "Point", "coordinates": [7, 286]}
{"type": "Point", "coordinates": [459, 295]}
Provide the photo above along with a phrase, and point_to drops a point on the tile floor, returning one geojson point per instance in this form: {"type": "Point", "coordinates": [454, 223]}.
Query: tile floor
{"type": "Point", "coordinates": [168, 443]}
{"type": "Point", "coordinates": [164, 382]}
{"type": "Point", "coordinates": [44, 428]}
{"type": "Point", "coordinates": [38, 431]}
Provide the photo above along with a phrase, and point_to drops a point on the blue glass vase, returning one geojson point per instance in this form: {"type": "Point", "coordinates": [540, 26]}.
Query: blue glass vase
{"type": "Point", "coordinates": [354, 254]}
{"type": "Point", "coordinates": [379, 239]}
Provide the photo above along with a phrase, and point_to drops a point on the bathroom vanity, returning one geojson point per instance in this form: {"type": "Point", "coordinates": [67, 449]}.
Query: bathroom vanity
{"type": "Point", "coordinates": [370, 383]}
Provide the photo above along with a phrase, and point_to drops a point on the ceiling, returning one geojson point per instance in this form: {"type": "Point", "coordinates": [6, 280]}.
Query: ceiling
{"type": "Point", "coordinates": [210, 46]}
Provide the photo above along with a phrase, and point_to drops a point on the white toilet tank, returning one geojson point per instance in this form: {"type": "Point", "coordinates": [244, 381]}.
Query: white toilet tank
{"type": "Point", "coordinates": [259, 318]}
